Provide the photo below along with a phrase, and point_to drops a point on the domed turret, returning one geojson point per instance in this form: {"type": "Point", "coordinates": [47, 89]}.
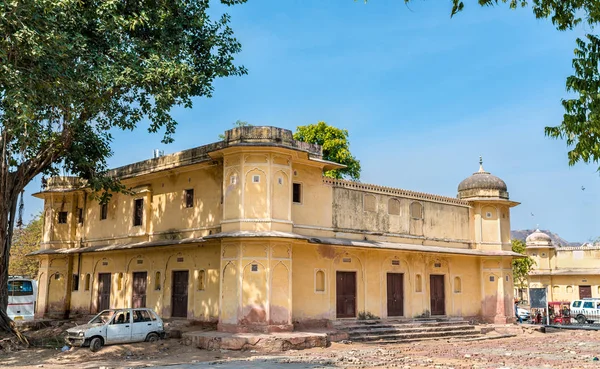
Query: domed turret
{"type": "Point", "coordinates": [538, 239]}
{"type": "Point", "coordinates": [482, 185]}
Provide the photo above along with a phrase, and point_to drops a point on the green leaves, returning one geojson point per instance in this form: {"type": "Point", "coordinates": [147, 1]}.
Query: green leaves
{"type": "Point", "coordinates": [581, 122]}
{"type": "Point", "coordinates": [71, 71]}
{"type": "Point", "coordinates": [522, 266]}
{"type": "Point", "coordinates": [26, 240]}
{"type": "Point", "coordinates": [336, 148]}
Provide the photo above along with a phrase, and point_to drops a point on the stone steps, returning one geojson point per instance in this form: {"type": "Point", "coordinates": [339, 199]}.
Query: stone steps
{"type": "Point", "coordinates": [360, 327]}
{"type": "Point", "coordinates": [398, 331]}
{"type": "Point", "coordinates": [399, 336]}
{"type": "Point", "coordinates": [465, 337]}
{"type": "Point", "coordinates": [382, 332]}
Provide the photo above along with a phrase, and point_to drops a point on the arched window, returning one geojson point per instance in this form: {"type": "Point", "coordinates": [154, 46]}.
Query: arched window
{"type": "Point", "coordinates": [369, 202]}
{"type": "Point", "coordinates": [320, 281]}
{"type": "Point", "coordinates": [416, 210]}
{"type": "Point", "coordinates": [157, 281]}
{"type": "Point", "coordinates": [393, 207]}
{"type": "Point", "coordinates": [457, 285]}
{"type": "Point", "coordinates": [87, 282]}
{"type": "Point", "coordinates": [569, 289]}
{"type": "Point", "coordinates": [201, 280]}
{"type": "Point", "coordinates": [556, 289]}
{"type": "Point", "coordinates": [418, 283]}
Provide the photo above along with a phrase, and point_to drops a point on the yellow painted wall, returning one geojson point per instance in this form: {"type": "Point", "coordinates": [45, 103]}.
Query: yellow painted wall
{"type": "Point", "coordinates": [261, 281]}
{"type": "Point", "coordinates": [203, 304]}
{"type": "Point", "coordinates": [371, 267]}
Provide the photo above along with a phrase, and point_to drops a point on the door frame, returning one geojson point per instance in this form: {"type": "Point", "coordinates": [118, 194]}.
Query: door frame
{"type": "Point", "coordinates": [110, 280]}
{"type": "Point", "coordinates": [586, 286]}
{"type": "Point", "coordinates": [133, 287]}
{"type": "Point", "coordinates": [355, 292]}
{"type": "Point", "coordinates": [403, 295]}
{"type": "Point", "coordinates": [445, 294]}
{"type": "Point", "coordinates": [173, 271]}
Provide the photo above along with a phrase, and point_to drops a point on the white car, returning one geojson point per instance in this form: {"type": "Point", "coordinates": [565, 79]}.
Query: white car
{"type": "Point", "coordinates": [117, 326]}
{"type": "Point", "coordinates": [523, 313]}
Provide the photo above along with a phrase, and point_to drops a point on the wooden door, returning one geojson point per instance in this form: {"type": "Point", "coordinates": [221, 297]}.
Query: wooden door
{"type": "Point", "coordinates": [437, 295]}
{"type": "Point", "coordinates": [585, 292]}
{"type": "Point", "coordinates": [395, 294]}
{"type": "Point", "coordinates": [179, 297]}
{"type": "Point", "coordinates": [345, 289]}
{"type": "Point", "coordinates": [138, 300]}
{"type": "Point", "coordinates": [103, 291]}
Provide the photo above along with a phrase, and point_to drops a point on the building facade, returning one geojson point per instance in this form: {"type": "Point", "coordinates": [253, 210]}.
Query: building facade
{"type": "Point", "coordinates": [568, 273]}
{"type": "Point", "coordinates": [248, 233]}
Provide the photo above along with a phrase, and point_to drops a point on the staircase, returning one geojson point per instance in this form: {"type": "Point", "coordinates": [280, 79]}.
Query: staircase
{"type": "Point", "coordinates": [396, 331]}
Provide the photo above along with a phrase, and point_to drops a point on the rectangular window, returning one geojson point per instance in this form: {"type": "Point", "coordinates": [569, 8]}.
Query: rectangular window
{"type": "Point", "coordinates": [20, 288]}
{"type": "Point", "coordinates": [297, 193]}
{"type": "Point", "coordinates": [62, 217]}
{"type": "Point", "coordinates": [138, 212]}
{"type": "Point", "coordinates": [189, 198]}
{"type": "Point", "coordinates": [75, 282]}
{"type": "Point", "coordinates": [103, 211]}
{"type": "Point", "coordinates": [80, 216]}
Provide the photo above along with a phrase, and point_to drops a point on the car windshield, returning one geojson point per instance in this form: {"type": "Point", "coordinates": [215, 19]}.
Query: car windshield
{"type": "Point", "coordinates": [103, 318]}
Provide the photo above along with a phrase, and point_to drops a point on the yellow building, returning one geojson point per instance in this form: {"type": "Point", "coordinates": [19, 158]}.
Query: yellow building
{"type": "Point", "coordinates": [248, 233]}
{"type": "Point", "coordinates": [568, 273]}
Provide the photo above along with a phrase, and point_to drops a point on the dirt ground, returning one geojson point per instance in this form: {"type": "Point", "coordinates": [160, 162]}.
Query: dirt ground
{"type": "Point", "coordinates": [564, 349]}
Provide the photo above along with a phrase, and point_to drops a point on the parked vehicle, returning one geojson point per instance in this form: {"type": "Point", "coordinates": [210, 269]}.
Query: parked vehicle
{"type": "Point", "coordinates": [586, 310]}
{"type": "Point", "coordinates": [117, 326]}
{"type": "Point", "coordinates": [22, 295]}
{"type": "Point", "coordinates": [523, 313]}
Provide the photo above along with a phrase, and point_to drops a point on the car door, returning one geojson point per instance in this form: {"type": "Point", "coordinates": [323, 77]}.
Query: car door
{"type": "Point", "coordinates": [119, 329]}
{"type": "Point", "coordinates": [142, 325]}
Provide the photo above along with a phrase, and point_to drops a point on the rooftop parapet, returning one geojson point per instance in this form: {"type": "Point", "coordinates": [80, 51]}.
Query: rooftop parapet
{"type": "Point", "coordinates": [239, 136]}
{"type": "Point", "coordinates": [63, 183]}
{"type": "Point", "coordinates": [266, 135]}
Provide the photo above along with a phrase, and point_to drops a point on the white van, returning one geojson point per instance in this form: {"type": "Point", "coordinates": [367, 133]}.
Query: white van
{"type": "Point", "coordinates": [586, 310]}
{"type": "Point", "coordinates": [22, 297]}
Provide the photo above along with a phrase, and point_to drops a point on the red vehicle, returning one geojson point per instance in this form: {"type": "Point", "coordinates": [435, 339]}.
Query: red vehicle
{"type": "Point", "coordinates": [559, 312]}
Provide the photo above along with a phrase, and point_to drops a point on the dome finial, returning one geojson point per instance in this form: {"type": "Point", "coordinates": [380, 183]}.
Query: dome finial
{"type": "Point", "coordinates": [481, 164]}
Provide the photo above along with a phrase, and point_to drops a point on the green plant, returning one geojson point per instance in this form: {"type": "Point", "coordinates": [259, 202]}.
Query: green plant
{"type": "Point", "coordinates": [367, 315]}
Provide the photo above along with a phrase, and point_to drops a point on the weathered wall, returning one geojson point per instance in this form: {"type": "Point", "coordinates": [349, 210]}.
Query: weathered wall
{"type": "Point", "coordinates": [315, 209]}
{"type": "Point", "coordinates": [165, 213]}
{"type": "Point", "coordinates": [257, 190]}
{"type": "Point", "coordinates": [256, 290]}
{"type": "Point", "coordinates": [203, 295]}
{"type": "Point", "coordinates": [374, 212]}
{"type": "Point", "coordinates": [371, 267]}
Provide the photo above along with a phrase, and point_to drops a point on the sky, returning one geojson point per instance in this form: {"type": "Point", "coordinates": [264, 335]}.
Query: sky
{"type": "Point", "coordinates": [422, 95]}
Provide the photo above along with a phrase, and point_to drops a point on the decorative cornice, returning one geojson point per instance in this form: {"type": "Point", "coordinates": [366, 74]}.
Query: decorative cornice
{"type": "Point", "coordinates": [394, 191]}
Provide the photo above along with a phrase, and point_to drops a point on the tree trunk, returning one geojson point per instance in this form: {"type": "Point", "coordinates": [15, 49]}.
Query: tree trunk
{"type": "Point", "coordinates": [11, 184]}
{"type": "Point", "coordinates": [8, 210]}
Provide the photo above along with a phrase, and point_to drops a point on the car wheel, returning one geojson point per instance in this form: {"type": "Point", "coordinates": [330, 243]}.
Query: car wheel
{"type": "Point", "coordinates": [96, 344]}
{"type": "Point", "coordinates": [581, 319]}
{"type": "Point", "coordinates": [152, 337]}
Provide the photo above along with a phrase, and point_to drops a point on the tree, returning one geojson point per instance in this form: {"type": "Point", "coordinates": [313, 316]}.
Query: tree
{"type": "Point", "coordinates": [336, 148]}
{"type": "Point", "coordinates": [581, 121]}
{"type": "Point", "coordinates": [26, 240]}
{"type": "Point", "coordinates": [238, 123]}
{"type": "Point", "coordinates": [71, 71]}
{"type": "Point", "coordinates": [521, 266]}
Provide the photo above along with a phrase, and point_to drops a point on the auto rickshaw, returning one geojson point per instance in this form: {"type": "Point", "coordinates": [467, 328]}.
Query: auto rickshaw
{"type": "Point", "coordinates": [559, 312]}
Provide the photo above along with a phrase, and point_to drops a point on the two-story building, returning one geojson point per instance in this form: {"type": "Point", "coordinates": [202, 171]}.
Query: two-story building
{"type": "Point", "coordinates": [568, 273]}
{"type": "Point", "coordinates": [248, 233]}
